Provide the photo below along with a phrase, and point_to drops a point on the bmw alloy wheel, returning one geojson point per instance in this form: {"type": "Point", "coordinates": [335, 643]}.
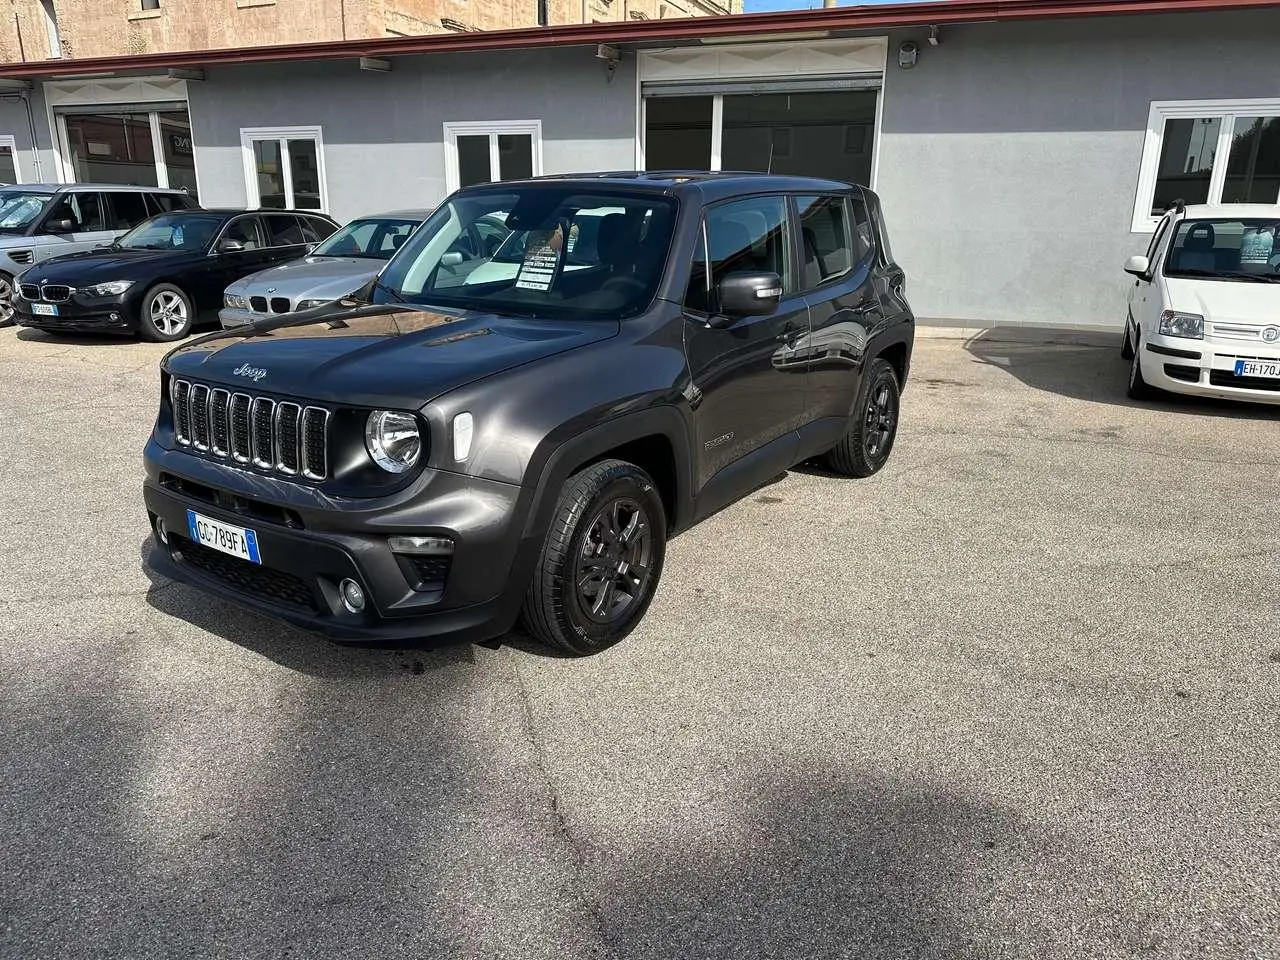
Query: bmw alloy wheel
{"type": "Point", "coordinates": [169, 313]}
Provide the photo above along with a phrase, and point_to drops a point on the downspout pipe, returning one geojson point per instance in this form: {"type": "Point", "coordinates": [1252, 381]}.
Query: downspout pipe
{"type": "Point", "coordinates": [22, 89]}
{"type": "Point", "coordinates": [35, 145]}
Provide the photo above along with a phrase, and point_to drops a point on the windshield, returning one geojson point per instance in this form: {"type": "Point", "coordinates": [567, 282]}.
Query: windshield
{"type": "Point", "coordinates": [538, 251]}
{"type": "Point", "coordinates": [377, 239]}
{"type": "Point", "coordinates": [19, 210]}
{"type": "Point", "coordinates": [1245, 250]}
{"type": "Point", "coordinates": [172, 232]}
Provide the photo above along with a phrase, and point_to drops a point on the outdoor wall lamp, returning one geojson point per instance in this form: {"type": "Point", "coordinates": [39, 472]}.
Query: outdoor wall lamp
{"type": "Point", "coordinates": [908, 54]}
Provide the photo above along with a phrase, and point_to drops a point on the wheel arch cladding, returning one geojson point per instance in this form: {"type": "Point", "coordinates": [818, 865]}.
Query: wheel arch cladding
{"type": "Point", "coordinates": [655, 455]}
{"type": "Point", "coordinates": [896, 354]}
{"type": "Point", "coordinates": [655, 440]}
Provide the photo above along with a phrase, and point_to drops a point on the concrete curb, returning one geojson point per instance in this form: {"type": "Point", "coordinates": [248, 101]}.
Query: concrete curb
{"type": "Point", "coordinates": [1099, 336]}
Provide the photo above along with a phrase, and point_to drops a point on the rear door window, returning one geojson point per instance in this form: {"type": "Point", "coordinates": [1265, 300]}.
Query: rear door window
{"type": "Point", "coordinates": [315, 226]}
{"type": "Point", "coordinates": [826, 241]}
{"type": "Point", "coordinates": [127, 209]}
{"type": "Point", "coordinates": [283, 230]}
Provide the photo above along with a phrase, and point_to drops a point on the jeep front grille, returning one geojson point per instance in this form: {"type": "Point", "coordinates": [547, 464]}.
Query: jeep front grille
{"type": "Point", "coordinates": [281, 437]}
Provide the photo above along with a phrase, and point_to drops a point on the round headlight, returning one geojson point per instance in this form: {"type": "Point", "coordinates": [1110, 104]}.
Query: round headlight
{"type": "Point", "coordinates": [393, 440]}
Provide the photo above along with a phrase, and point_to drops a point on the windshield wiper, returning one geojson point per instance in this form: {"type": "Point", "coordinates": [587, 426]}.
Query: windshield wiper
{"type": "Point", "coordinates": [390, 291]}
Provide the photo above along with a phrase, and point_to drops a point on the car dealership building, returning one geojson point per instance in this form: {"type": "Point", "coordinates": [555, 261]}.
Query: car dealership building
{"type": "Point", "coordinates": [1021, 147]}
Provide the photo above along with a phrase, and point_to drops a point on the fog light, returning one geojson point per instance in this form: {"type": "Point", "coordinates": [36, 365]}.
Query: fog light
{"type": "Point", "coordinates": [162, 533]}
{"type": "Point", "coordinates": [115, 317]}
{"type": "Point", "coordinates": [352, 595]}
{"type": "Point", "coordinates": [423, 546]}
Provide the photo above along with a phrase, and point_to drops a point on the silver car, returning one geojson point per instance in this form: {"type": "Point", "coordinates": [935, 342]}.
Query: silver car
{"type": "Point", "coordinates": [39, 221]}
{"type": "Point", "coordinates": [335, 268]}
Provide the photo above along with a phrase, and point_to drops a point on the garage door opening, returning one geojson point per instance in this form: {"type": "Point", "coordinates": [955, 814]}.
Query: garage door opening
{"type": "Point", "coordinates": [814, 133]}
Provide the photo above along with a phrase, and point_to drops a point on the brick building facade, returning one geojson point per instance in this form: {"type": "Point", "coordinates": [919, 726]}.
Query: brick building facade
{"type": "Point", "coordinates": [43, 29]}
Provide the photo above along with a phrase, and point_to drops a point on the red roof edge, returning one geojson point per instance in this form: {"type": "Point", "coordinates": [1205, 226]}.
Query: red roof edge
{"type": "Point", "coordinates": [837, 19]}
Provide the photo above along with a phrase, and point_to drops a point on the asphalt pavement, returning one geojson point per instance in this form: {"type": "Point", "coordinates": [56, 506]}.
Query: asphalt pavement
{"type": "Point", "coordinates": [1015, 697]}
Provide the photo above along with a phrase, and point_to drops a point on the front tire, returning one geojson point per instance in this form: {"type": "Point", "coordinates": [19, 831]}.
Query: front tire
{"type": "Point", "coordinates": [1139, 389]}
{"type": "Point", "coordinates": [6, 299]}
{"type": "Point", "coordinates": [601, 561]}
{"type": "Point", "coordinates": [866, 447]}
{"type": "Point", "coordinates": [1126, 345]}
{"type": "Point", "coordinates": [166, 314]}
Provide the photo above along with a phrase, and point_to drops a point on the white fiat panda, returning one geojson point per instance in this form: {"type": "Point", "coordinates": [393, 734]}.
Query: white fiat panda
{"type": "Point", "coordinates": [1204, 310]}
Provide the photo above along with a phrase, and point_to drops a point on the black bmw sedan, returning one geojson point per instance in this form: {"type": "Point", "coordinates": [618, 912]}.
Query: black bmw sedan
{"type": "Point", "coordinates": [165, 275]}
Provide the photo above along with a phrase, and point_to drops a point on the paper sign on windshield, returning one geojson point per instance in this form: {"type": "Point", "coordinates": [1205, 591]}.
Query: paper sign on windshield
{"type": "Point", "coordinates": [543, 258]}
{"type": "Point", "coordinates": [1257, 245]}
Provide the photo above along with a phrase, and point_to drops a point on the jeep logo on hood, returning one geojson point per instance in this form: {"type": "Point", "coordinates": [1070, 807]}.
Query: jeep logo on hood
{"type": "Point", "coordinates": [253, 373]}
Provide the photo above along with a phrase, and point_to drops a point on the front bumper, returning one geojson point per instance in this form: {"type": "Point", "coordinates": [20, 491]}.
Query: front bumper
{"type": "Point", "coordinates": [103, 314]}
{"type": "Point", "coordinates": [310, 543]}
{"type": "Point", "coordinates": [1206, 368]}
{"type": "Point", "coordinates": [230, 317]}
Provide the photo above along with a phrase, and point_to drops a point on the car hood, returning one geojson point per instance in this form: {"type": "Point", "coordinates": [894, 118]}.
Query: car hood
{"type": "Point", "coordinates": [310, 278]}
{"type": "Point", "coordinates": [1226, 301]}
{"type": "Point", "coordinates": [376, 356]}
{"type": "Point", "coordinates": [99, 266]}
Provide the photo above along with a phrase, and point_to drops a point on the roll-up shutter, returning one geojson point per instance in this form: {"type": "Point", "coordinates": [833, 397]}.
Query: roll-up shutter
{"type": "Point", "coordinates": [706, 88]}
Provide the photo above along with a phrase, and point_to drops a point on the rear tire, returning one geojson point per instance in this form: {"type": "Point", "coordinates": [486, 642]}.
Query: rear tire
{"type": "Point", "coordinates": [166, 314]}
{"type": "Point", "coordinates": [873, 426]}
{"type": "Point", "coordinates": [601, 561]}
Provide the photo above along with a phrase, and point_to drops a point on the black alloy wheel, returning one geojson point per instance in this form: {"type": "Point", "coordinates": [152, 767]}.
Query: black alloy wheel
{"type": "Point", "coordinates": [873, 426]}
{"type": "Point", "coordinates": [601, 560]}
{"type": "Point", "coordinates": [615, 561]}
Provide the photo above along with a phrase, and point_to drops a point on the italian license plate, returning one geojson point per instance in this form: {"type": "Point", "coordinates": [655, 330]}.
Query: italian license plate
{"type": "Point", "coordinates": [237, 541]}
{"type": "Point", "coordinates": [44, 309]}
{"type": "Point", "coordinates": [1258, 368]}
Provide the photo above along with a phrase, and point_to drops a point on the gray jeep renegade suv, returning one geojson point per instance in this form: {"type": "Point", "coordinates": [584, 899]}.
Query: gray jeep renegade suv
{"type": "Point", "coordinates": [489, 432]}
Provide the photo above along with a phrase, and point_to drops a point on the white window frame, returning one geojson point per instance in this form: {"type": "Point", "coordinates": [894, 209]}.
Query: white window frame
{"type": "Point", "coordinates": [493, 129]}
{"type": "Point", "coordinates": [8, 141]}
{"type": "Point", "coordinates": [1162, 110]}
{"type": "Point", "coordinates": [251, 135]}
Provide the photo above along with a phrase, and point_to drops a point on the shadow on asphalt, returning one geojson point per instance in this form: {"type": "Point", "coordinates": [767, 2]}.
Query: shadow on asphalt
{"type": "Point", "coordinates": [72, 337]}
{"type": "Point", "coordinates": [373, 825]}
{"type": "Point", "coordinates": [288, 646]}
{"type": "Point", "coordinates": [1095, 373]}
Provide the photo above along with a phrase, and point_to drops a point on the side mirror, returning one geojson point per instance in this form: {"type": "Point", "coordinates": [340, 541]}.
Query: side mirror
{"type": "Point", "coordinates": [749, 294]}
{"type": "Point", "coordinates": [453, 258]}
{"type": "Point", "coordinates": [1139, 267]}
{"type": "Point", "coordinates": [230, 246]}
{"type": "Point", "coordinates": [61, 226]}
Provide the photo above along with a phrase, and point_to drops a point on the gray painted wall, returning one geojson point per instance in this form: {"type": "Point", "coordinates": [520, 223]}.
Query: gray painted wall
{"type": "Point", "coordinates": [14, 122]}
{"type": "Point", "coordinates": [383, 133]}
{"type": "Point", "coordinates": [1009, 154]}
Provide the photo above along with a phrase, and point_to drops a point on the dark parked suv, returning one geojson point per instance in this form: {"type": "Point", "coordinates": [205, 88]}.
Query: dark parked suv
{"type": "Point", "coordinates": [476, 437]}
